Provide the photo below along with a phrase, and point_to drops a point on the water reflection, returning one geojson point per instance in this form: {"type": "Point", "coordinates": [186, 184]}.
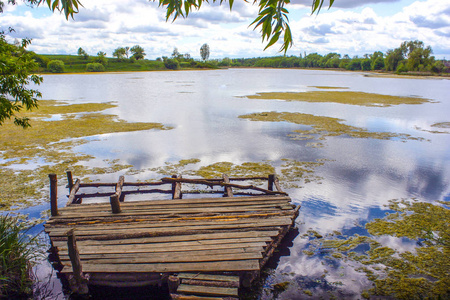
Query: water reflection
{"type": "Point", "coordinates": [360, 176]}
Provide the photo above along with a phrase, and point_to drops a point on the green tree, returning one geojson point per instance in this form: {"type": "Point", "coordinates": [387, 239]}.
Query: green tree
{"type": "Point", "coordinates": [393, 58]}
{"type": "Point", "coordinates": [16, 67]}
{"type": "Point", "coordinates": [119, 53]}
{"type": "Point", "coordinates": [366, 64]}
{"type": "Point", "coordinates": [378, 63]}
{"type": "Point", "coordinates": [204, 52]}
{"type": "Point", "coordinates": [138, 52]}
{"type": "Point", "coordinates": [56, 66]}
{"type": "Point", "coordinates": [101, 58]}
{"type": "Point", "coordinates": [82, 53]}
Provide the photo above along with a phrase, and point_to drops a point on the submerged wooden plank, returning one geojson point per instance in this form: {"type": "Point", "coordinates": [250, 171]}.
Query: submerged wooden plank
{"type": "Point", "coordinates": [212, 277]}
{"type": "Point", "coordinates": [225, 266]}
{"type": "Point", "coordinates": [207, 290]}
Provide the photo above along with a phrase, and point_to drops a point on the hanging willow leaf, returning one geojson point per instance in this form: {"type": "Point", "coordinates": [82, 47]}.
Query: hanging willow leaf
{"type": "Point", "coordinates": [272, 16]}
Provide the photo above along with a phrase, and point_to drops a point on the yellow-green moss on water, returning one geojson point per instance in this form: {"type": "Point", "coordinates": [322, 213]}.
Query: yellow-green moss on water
{"type": "Point", "coordinates": [322, 126]}
{"type": "Point", "coordinates": [420, 274]}
{"type": "Point", "coordinates": [291, 173]}
{"type": "Point", "coordinates": [343, 97]}
{"type": "Point", "coordinates": [29, 155]}
{"type": "Point", "coordinates": [441, 125]}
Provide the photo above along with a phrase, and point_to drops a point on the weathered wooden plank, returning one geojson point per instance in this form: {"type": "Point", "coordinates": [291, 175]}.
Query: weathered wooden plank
{"type": "Point", "coordinates": [180, 208]}
{"type": "Point", "coordinates": [225, 266]}
{"type": "Point", "coordinates": [207, 290]}
{"type": "Point", "coordinates": [274, 203]}
{"type": "Point", "coordinates": [61, 244]}
{"type": "Point", "coordinates": [128, 212]}
{"type": "Point", "coordinates": [243, 236]}
{"type": "Point", "coordinates": [173, 218]}
{"type": "Point", "coordinates": [186, 201]}
{"type": "Point", "coordinates": [173, 230]}
{"type": "Point", "coordinates": [211, 277]}
{"type": "Point", "coordinates": [169, 257]}
{"type": "Point", "coordinates": [257, 251]}
{"type": "Point", "coordinates": [166, 224]}
{"type": "Point", "coordinates": [146, 248]}
{"type": "Point", "coordinates": [73, 192]}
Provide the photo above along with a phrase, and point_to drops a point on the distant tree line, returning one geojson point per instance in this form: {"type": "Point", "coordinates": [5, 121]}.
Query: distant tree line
{"type": "Point", "coordinates": [411, 56]}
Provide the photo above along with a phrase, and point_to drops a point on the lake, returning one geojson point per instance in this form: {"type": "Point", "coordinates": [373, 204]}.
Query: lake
{"type": "Point", "coordinates": [355, 177]}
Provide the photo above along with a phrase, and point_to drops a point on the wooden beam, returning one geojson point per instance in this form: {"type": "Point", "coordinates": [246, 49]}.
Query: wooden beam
{"type": "Point", "coordinates": [73, 192]}
{"type": "Point", "coordinates": [228, 191]}
{"type": "Point", "coordinates": [212, 183]}
{"type": "Point", "coordinates": [80, 284]}
{"type": "Point", "coordinates": [277, 184]}
{"type": "Point", "coordinates": [53, 195]}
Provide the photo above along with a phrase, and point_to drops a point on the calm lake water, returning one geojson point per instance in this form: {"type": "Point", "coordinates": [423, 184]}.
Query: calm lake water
{"type": "Point", "coordinates": [359, 176]}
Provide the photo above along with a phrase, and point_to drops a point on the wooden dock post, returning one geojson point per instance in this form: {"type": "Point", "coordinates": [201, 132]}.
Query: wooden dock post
{"type": "Point", "coordinates": [117, 197]}
{"type": "Point", "coordinates": [69, 180]}
{"type": "Point", "coordinates": [80, 284]}
{"type": "Point", "coordinates": [53, 194]}
{"type": "Point", "coordinates": [115, 204]}
{"type": "Point", "coordinates": [119, 187]}
{"type": "Point", "coordinates": [270, 182]}
{"type": "Point", "coordinates": [228, 191]}
{"type": "Point", "coordinates": [176, 189]}
{"type": "Point", "coordinates": [173, 282]}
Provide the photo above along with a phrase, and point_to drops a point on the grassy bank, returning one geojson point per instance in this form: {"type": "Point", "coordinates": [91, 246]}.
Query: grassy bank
{"type": "Point", "coordinates": [80, 64]}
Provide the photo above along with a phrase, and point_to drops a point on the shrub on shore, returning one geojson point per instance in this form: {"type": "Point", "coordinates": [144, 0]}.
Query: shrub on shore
{"type": "Point", "coordinates": [18, 252]}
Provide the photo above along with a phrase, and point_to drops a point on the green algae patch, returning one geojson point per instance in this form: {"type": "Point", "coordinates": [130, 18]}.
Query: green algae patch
{"type": "Point", "coordinates": [442, 125]}
{"type": "Point", "coordinates": [322, 127]}
{"type": "Point", "coordinates": [291, 173]}
{"type": "Point", "coordinates": [27, 156]}
{"type": "Point", "coordinates": [343, 97]}
{"type": "Point", "coordinates": [419, 274]}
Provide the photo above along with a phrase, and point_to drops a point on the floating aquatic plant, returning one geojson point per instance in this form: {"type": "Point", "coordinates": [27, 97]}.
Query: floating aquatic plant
{"type": "Point", "coordinates": [343, 97]}
{"type": "Point", "coordinates": [420, 274]}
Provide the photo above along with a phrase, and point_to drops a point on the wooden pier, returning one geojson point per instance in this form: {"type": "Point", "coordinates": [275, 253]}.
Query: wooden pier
{"type": "Point", "coordinates": [200, 246]}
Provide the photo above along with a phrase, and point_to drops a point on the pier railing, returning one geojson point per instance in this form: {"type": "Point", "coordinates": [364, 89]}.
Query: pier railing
{"type": "Point", "coordinates": [229, 189]}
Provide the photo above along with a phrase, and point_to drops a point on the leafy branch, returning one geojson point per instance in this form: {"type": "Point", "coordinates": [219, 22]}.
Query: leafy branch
{"type": "Point", "coordinates": [272, 16]}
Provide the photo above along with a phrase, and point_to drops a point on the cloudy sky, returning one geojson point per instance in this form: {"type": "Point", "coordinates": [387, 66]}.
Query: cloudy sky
{"type": "Point", "coordinates": [353, 27]}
